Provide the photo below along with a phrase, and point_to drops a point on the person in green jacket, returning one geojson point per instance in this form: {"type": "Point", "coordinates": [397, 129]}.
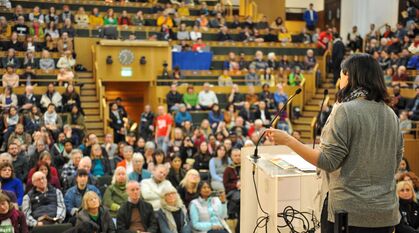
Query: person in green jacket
{"type": "Point", "coordinates": [115, 194]}
{"type": "Point", "coordinates": [295, 78]}
{"type": "Point", "coordinates": [190, 98]}
{"type": "Point", "coordinates": [110, 18]}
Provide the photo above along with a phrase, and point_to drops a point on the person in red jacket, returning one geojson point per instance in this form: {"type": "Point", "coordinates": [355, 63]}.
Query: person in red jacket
{"type": "Point", "coordinates": [231, 180]}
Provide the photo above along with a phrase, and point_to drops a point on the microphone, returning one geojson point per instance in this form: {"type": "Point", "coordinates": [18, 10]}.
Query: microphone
{"type": "Point", "coordinates": [325, 93]}
{"type": "Point", "coordinates": [273, 124]}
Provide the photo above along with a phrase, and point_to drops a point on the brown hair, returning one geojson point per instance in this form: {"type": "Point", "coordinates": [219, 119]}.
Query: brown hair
{"type": "Point", "coordinates": [4, 197]}
{"type": "Point", "coordinates": [7, 164]}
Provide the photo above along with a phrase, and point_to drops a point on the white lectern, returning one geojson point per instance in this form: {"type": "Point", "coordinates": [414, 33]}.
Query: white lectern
{"type": "Point", "coordinates": [277, 189]}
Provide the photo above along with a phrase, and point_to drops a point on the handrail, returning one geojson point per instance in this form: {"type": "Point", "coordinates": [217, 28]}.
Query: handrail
{"type": "Point", "coordinates": [106, 115]}
{"type": "Point", "coordinates": [314, 121]}
{"type": "Point", "coordinates": [323, 70]}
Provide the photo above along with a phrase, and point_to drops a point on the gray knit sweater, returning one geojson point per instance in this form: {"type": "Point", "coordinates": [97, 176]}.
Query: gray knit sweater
{"type": "Point", "coordinates": [361, 147]}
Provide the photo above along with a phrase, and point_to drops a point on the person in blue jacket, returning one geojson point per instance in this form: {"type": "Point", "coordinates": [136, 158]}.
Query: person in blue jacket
{"type": "Point", "coordinates": [208, 212]}
{"type": "Point", "coordinates": [182, 115]}
{"type": "Point", "coordinates": [311, 17]}
{"type": "Point", "coordinates": [9, 182]}
{"type": "Point", "coordinates": [74, 195]}
{"type": "Point", "coordinates": [215, 116]}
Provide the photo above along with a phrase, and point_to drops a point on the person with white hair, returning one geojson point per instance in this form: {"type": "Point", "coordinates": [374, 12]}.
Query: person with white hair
{"type": "Point", "coordinates": [207, 97]}
{"type": "Point", "coordinates": [135, 214]}
{"type": "Point", "coordinates": [43, 204]}
{"type": "Point", "coordinates": [70, 168]}
{"type": "Point", "coordinates": [152, 188]}
{"type": "Point", "coordinates": [173, 216]}
{"type": "Point", "coordinates": [309, 60]}
{"type": "Point", "coordinates": [127, 162]}
{"type": "Point", "coordinates": [6, 158]}
{"type": "Point", "coordinates": [115, 195]}
{"type": "Point", "coordinates": [139, 173]}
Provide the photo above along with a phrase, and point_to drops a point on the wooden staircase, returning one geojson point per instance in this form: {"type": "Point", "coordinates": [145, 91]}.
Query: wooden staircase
{"type": "Point", "coordinates": [311, 109]}
{"type": "Point", "coordinates": [90, 104]}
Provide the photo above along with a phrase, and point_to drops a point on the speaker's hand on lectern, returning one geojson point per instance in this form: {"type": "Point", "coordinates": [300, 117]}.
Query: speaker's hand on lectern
{"type": "Point", "coordinates": [279, 137]}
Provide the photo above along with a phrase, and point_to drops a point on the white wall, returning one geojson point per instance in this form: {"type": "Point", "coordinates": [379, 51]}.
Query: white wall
{"type": "Point", "coordinates": [318, 4]}
{"type": "Point", "coordinates": [364, 12]}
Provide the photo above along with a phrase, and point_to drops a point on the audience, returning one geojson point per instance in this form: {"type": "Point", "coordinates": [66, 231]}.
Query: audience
{"type": "Point", "coordinates": [206, 205]}
{"type": "Point", "coordinates": [116, 194]}
{"type": "Point", "coordinates": [43, 204]}
{"type": "Point", "coordinates": [74, 195]}
{"type": "Point", "coordinates": [95, 214]}
{"type": "Point", "coordinates": [136, 214]}
{"type": "Point", "coordinates": [152, 188]}
{"type": "Point", "coordinates": [12, 219]}
{"type": "Point", "coordinates": [173, 215]}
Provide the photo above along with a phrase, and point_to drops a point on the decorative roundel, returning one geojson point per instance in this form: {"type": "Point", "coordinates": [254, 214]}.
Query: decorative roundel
{"type": "Point", "coordinates": [126, 57]}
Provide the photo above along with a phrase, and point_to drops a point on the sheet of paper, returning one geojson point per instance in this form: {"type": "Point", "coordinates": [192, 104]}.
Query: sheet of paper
{"type": "Point", "coordinates": [298, 162]}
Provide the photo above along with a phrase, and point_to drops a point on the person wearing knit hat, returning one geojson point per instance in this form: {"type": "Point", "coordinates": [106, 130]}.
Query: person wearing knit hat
{"type": "Point", "coordinates": [172, 216]}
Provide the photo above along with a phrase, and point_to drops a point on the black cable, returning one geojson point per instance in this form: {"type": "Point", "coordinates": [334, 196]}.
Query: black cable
{"type": "Point", "coordinates": [289, 215]}
{"type": "Point", "coordinates": [261, 222]}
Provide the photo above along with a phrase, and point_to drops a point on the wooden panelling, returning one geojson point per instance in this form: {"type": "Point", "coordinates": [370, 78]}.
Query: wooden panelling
{"type": "Point", "coordinates": [411, 153]}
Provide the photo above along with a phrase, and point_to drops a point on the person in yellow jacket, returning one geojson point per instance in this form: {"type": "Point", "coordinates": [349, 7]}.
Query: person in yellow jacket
{"type": "Point", "coordinates": [165, 19]}
{"type": "Point", "coordinates": [95, 19]}
{"type": "Point", "coordinates": [5, 29]}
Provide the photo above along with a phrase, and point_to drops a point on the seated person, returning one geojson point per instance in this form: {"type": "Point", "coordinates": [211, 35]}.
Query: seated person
{"type": "Point", "coordinates": [127, 162]}
{"type": "Point", "coordinates": [207, 97]}
{"type": "Point", "coordinates": [43, 204]}
{"type": "Point", "coordinates": [176, 171]}
{"type": "Point", "coordinates": [81, 18]}
{"type": "Point", "coordinates": [190, 98]}
{"type": "Point", "coordinates": [94, 213]}
{"type": "Point", "coordinates": [8, 99]}
{"type": "Point", "coordinates": [139, 173]}
{"type": "Point", "coordinates": [217, 166]}
{"type": "Point", "coordinates": [295, 77]}
{"type": "Point", "coordinates": [232, 185]}
{"type": "Point", "coordinates": [28, 76]}
{"type": "Point", "coordinates": [10, 59]}
{"type": "Point", "coordinates": [9, 182]}
{"type": "Point", "coordinates": [45, 168]}
{"type": "Point", "coordinates": [207, 205]}
{"type": "Point", "coordinates": [182, 115]}
{"type": "Point", "coordinates": [136, 215]}
{"type": "Point", "coordinates": [52, 121]}
{"type": "Point", "coordinates": [413, 106]}
{"type": "Point", "coordinates": [70, 168]}
{"type": "Point", "coordinates": [46, 63]}
{"type": "Point", "coordinates": [74, 195]}
{"type": "Point", "coordinates": [85, 163]}
{"type": "Point", "coordinates": [100, 164]}
{"type": "Point", "coordinates": [225, 79]}
{"type": "Point", "coordinates": [115, 195]}
{"type": "Point", "coordinates": [30, 60]}
{"type": "Point", "coordinates": [12, 219]}
{"type": "Point", "coordinates": [152, 187]}
{"type": "Point", "coordinates": [51, 96]}
{"type": "Point", "coordinates": [172, 210]}
{"type": "Point", "coordinates": [10, 78]}
{"type": "Point", "coordinates": [408, 207]}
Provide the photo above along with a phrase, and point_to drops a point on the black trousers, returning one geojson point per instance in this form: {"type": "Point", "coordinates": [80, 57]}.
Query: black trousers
{"type": "Point", "coordinates": [328, 227]}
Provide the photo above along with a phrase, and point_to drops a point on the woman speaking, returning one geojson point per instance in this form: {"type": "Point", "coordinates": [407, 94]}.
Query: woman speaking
{"type": "Point", "coordinates": [360, 149]}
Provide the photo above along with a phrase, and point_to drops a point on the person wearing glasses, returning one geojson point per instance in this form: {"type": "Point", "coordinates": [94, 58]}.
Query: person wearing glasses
{"type": "Point", "coordinates": [43, 204]}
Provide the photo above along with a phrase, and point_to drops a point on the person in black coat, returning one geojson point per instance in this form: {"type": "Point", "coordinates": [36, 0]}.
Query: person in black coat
{"type": "Point", "coordinates": [117, 123]}
{"type": "Point", "coordinates": [173, 99]}
{"type": "Point", "coordinates": [409, 208]}
{"type": "Point", "coordinates": [146, 123]}
{"type": "Point", "coordinates": [146, 218]}
{"type": "Point", "coordinates": [338, 53]}
{"type": "Point", "coordinates": [263, 113]}
{"type": "Point", "coordinates": [223, 35]}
